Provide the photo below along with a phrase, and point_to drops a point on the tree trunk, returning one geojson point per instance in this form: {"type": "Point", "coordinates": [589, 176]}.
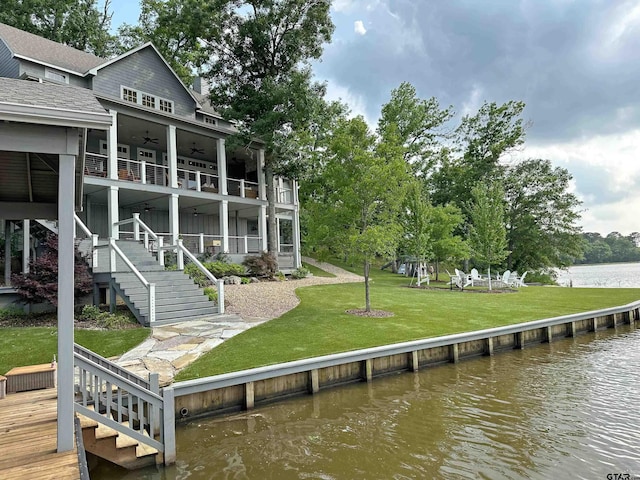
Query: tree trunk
{"type": "Point", "coordinates": [367, 302]}
{"type": "Point", "coordinates": [272, 225]}
{"type": "Point", "coordinates": [437, 269]}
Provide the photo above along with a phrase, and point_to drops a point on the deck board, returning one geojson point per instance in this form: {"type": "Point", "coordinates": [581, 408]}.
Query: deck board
{"type": "Point", "coordinates": [28, 438]}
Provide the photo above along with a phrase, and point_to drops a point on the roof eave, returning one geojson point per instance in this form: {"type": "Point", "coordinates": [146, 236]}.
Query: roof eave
{"type": "Point", "coordinates": [50, 65]}
{"type": "Point", "coordinates": [54, 116]}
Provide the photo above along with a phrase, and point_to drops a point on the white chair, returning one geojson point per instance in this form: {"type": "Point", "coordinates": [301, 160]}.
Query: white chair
{"type": "Point", "coordinates": [464, 280]}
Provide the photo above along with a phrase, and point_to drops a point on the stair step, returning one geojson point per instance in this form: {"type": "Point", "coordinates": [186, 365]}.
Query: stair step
{"type": "Point", "coordinates": [187, 313]}
{"type": "Point", "coordinates": [186, 306]}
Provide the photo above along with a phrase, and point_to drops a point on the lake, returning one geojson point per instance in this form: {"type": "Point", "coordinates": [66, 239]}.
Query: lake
{"type": "Point", "coordinates": [609, 275]}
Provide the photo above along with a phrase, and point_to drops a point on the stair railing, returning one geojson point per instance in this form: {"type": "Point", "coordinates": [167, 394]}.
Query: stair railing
{"type": "Point", "coordinates": [92, 236]}
{"type": "Point", "coordinates": [181, 252]}
{"type": "Point", "coordinates": [137, 224]}
{"type": "Point", "coordinates": [151, 287]}
{"type": "Point", "coordinates": [125, 402]}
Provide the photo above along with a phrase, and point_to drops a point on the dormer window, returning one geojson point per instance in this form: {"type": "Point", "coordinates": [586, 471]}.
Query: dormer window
{"type": "Point", "coordinates": [210, 120]}
{"type": "Point", "coordinates": [166, 106]}
{"type": "Point", "coordinates": [56, 75]}
{"type": "Point", "coordinates": [146, 100]}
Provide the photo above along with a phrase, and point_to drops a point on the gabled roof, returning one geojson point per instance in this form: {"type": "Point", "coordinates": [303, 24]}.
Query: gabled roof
{"type": "Point", "coordinates": [205, 104]}
{"type": "Point", "coordinates": [37, 49]}
{"type": "Point", "coordinates": [106, 63]}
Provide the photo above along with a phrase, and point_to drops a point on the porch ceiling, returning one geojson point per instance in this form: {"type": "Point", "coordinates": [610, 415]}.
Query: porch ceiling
{"type": "Point", "coordinates": [141, 199]}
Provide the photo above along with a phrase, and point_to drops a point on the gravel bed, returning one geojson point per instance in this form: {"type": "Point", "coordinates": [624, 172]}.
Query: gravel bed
{"type": "Point", "coordinates": [267, 300]}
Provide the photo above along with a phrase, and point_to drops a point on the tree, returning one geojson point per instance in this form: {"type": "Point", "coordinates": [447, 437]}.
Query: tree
{"type": "Point", "coordinates": [76, 23]}
{"type": "Point", "coordinates": [488, 235]}
{"type": "Point", "coordinates": [542, 216]}
{"type": "Point", "coordinates": [364, 184]}
{"type": "Point", "coordinates": [178, 29]}
{"type": "Point", "coordinates": [41, 283]}
{"type": "Point", "coordinates": [262, 79]}
{"type": "Point", "coordinates": [445, 219]}
{"type": "Point", "coordinates": [416, 123]}
{"type": "Point", "coordinates": [484, 139]}
{"type": "Point", "coordinates": [415, 219]}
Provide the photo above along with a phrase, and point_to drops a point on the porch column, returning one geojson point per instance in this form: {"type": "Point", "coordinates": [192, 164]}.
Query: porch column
{"type": "Point", "coordinates": [66, 196]}
{"type": "Point", "coordinates": [222, 167]}
{"type": "Point", "coordinates": [262, 228]}
{"type": "Point", "coordinates": [113, 216]}
{"type": "Point", "coordinates": [174, 217]}
{"type": "Point", "coordinates": [262, 184]}
{"type": "Point", "coordinates": [112, 146]}
{"type": "Point", "coordinates": [7, 252]}
{"type": "Point", "coordinates": [172, 156]}
{"type": "Point", "coordinates": [224, 225]}
{"type": "Point", "coordinates": [26, 250]}
{"type": "Point", "coordinates": [295, 227]}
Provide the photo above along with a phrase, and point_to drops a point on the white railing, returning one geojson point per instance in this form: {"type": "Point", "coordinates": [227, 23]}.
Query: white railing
{"type": "Point", "coordinates": [93, 236]}
{"type": "Point", "coordinates": [125, 402]}
{"type": "Point", "coordinates": [243, 244]}
{"type": "Point", "coordinates": [114, 251]}
{"type": "Point", "coordinates": [181, 251]}
{"type": "Point", "coordinates": [137, 224]}
{"type": "Point", "coordinates": [197, 180]}
{"type": "Point", "coordinates": [284, 195]}
{"type": "Point", "coordinates": [242, 188]}
{"type": "Point", "coordinates": [143, 172]}
{"type": "Point", "coordinates": [96, 165]}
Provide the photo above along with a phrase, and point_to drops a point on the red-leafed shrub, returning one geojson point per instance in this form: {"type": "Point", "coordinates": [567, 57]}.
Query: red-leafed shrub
{"type": "Point", "coordinates": [263, 265]}
{"type": "Point", "coordinates": [41, 283]}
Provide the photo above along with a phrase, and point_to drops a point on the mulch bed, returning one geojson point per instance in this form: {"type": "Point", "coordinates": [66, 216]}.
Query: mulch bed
{"type": "Point", "coordinates": [361, 312]}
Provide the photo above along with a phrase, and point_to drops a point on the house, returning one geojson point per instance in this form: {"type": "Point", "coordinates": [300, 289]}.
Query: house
{"type": "Point", "coordinates": [164, 159]}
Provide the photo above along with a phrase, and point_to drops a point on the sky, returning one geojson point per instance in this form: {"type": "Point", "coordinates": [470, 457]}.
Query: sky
{"type": "Point", "coordinates": [575, 63]}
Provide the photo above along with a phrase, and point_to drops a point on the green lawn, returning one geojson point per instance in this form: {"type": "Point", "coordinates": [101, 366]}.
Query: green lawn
{"type": "Point", "coordinates": [317, 272]}
{"type": "Point", "coordinates": [33, 345]}
{"type": "Point", "coordinates": [320, 326]}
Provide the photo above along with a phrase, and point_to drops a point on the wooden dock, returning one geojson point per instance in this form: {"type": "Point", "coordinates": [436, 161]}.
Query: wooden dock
{"type": "Point", "coordinates": [28, 437]}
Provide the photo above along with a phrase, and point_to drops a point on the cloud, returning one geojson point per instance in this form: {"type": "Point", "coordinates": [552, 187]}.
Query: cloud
{"type": "Point", "coordinates": [358, 27]}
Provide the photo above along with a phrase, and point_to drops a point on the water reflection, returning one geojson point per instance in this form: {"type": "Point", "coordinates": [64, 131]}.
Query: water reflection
{"type": "Point", "coordinates": [611, 275]}
{"type": "Point", "coordinates": [564, 410]}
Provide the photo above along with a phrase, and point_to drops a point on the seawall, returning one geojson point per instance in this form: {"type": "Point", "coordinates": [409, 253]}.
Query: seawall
{"type": "Point", "coordinates": [245, 389]}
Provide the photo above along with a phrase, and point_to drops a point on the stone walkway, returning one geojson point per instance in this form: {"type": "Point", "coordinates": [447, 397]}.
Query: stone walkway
{"type": "Point", "coordinates": [170, 348]}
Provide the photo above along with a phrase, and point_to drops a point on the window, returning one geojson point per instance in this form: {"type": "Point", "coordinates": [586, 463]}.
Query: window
{"type": "Point", "coordinates": [55, 75]}
{"type": "Point", "coordinates": [166, 106]}
{"type": "Point", "coordinates": [210, 120]}
{"type": "Point", "coordinates": [148, 101]}
{"type": "Point", "coordinates": [129, 95]}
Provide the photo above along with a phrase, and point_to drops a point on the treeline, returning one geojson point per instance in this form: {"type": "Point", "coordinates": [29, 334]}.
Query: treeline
{"type": "Point", "coordinates": [610, 249]}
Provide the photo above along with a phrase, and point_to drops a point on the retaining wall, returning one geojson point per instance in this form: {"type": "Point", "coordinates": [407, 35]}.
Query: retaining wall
{"type": "Point", "coordinates": [233, 391]}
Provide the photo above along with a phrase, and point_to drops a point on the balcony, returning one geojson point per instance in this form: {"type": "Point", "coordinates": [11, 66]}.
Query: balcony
{"type": "Point", "coordinates": [142, 172]}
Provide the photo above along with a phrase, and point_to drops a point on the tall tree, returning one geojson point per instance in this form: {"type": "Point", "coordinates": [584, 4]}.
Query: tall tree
{"type": "Point", "coordinates": [178, 29]}
{"type": "Point", "coordinates": [364, 184]}
{"type": "Point", "coordinates": [488, 235]}
{"type": "Point", "coordinates": [77, 23]}
{"type": "Point", "coordinates": [416, 123]}
{"type": "Point", "coordinates": [415, 221]}
{"type": "Point", "coordinates": [542, 216]}
{"type": "Point", "coordinates": [483, 140]}
{"type": "Point", "coordinates": [445, 244]}
{"type": "Point", "coordinates": [262, 78]}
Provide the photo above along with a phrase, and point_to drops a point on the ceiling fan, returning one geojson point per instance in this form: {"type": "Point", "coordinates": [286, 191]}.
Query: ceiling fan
{"type": "Point", "coordinates": [148, 139]}
{"type": "Point", "coordinates": [147, 207]}
{"type": "Point", "coordinates": [196, 150]}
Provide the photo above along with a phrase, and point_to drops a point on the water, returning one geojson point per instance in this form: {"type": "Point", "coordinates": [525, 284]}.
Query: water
{"type": "Point", "coordinates": [561, 410]}
{"type": "Point", "coordinates": [610, 275]}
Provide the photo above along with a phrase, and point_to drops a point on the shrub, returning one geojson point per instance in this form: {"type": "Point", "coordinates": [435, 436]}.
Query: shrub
{"type": "Point", "coordinates": [280, 276]}
{"type": "Point", "coordinates": [41, 283]}
{"type": "Point", "coordinates": [245, 280]}
{"type": "Point", "coordinates": [212, 293]}
{"type": "Point", "coordinates": [197, 275]}
{"type": "Point", "coordinates": [220, 269]}
{"type": "Point", "coordinates": [263, 265]}
{"type": "Point", "coordinates": [301, 272]}
{"type": "Point", "coordinates": [102, 319]}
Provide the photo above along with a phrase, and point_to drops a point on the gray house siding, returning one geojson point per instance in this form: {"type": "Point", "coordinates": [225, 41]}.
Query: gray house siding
{"type": "Point", "coordinates": [146, 72]}
{"type": "Point", "coordinates": [37, 70]}
{"type": "Point", "coordinates": [9, 67]}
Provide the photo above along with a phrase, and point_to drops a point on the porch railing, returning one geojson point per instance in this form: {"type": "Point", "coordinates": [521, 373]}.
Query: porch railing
{"type": "Point", "coordinates": [143, 172]}
{"type": "Point", "coordinates": [125, 402]}
{"type": "Point", "coordinates": [181, 251]}
{"type": "Point", "coordinates": [93, 236]}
